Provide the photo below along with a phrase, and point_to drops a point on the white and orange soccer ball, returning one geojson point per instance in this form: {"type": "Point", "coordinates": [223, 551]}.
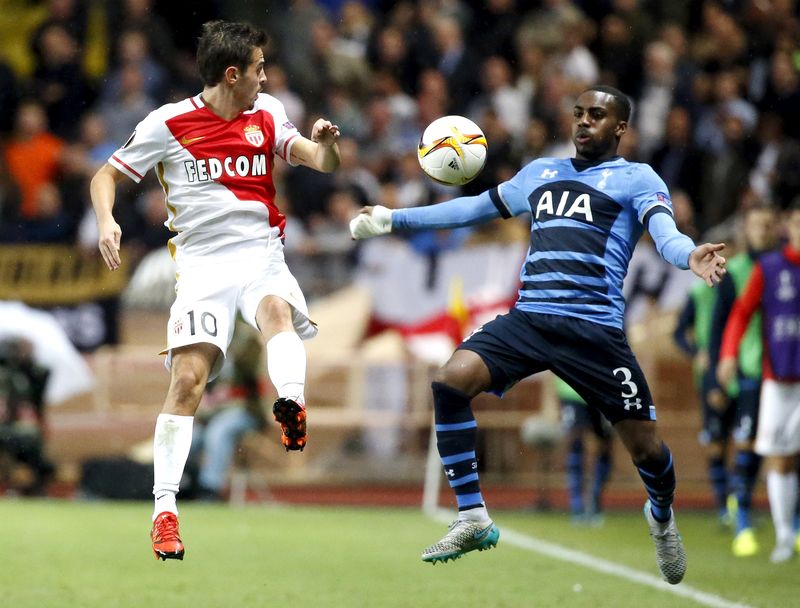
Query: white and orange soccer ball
{"type": "Point", "coordinates": [452, 150]}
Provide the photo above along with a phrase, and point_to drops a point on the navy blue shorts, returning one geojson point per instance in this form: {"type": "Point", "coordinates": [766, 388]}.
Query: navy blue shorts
{"type": "Point", "coordinates": [739, 420]}
{"type": "Point", "coordinates": [593, 359]}
{"type": "Point", "coordinates": [747, 402]}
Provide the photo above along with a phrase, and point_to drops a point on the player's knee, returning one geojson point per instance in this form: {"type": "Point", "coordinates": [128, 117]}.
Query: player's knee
{"type": "Point", "coordinates": [186, 386]}
{"type": "Point", "coordinates": [464, 373]}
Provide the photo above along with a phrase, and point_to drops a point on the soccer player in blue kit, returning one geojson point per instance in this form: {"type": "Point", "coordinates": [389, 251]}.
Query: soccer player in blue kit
{"type": "Point", "coordinates": [587, 213]}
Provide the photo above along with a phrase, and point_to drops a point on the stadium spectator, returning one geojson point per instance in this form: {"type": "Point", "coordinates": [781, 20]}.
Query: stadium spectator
{"type": "Point", "coordinates": [229, 251]}
{"type": "Point", "coordinates": [22, 419]}
{"type": "Point", "coordinates": [69, 15]}
{"type": "Point", "coordinates": [678, 161]}
{"type": "Point", "coordinates": [33, 156]}
{"type": "Point", "coordinates": [336, 61]}
{"type": "Point", "coordinates": [334, 248]}
{"type": "Point", "coordinates": [278, 86]}
{"type": "Point", "coordinates": [390, 53]}
{"type": "Point", "coordinates": [566, 318]}
{"type": "Point", "coordinates": [122, 111]}
{"type": "Point", "coordinates": [493, 28]}
{"type": "Point", "coordinates": [656, 96]}
{"type": "Point", "coordinates": [94, 137]}
{"type": "Point", "coordinates": [134, 50]}
{"type": "Point", "coordinates": [139, 15]}
{"type": "Point", "coordinates": [59, 82]}
{"type": "Point", "coordinates": [783, 92]}
{"type": "Point", "coordinates": [456, 61]}
{"type": "Point", "coordinates": [726, 171]}
{"type": "Point", "coordinates": [774, 289]}
{"type": "Point", "coordinates": [499, 96]}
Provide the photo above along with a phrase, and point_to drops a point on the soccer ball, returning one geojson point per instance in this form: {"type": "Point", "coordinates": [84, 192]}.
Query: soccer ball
{"type": "Point", "coordinates": [452, 150]}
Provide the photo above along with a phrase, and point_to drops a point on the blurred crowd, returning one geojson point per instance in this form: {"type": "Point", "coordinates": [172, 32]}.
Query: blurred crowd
{"type": "Point", "coordinates": [715, 83]}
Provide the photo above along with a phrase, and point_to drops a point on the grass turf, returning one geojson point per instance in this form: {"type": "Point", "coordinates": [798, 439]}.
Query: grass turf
{"type": "Point", "coordinates": [73, 554]}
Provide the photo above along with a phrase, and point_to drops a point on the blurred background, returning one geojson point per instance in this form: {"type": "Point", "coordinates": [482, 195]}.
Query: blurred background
{"type": "Point", "coordinates": [716, 89]}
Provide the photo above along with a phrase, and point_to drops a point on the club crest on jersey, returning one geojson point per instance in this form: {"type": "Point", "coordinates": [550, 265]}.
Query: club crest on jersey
{"type": "Point", "coordinates": [254, 135]}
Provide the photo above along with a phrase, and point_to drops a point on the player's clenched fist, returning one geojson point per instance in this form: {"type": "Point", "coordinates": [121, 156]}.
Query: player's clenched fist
{"type": "Point", "coordinates": [324, 132]}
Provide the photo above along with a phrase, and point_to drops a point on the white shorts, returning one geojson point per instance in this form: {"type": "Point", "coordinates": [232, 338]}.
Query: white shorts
{"type": "Point", "coordinates": [779, 419]}
{"type": "Point", "coordinates": [210, 295]}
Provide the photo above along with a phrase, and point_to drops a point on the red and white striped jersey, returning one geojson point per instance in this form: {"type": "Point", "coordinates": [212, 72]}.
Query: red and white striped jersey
{"type": "Point", "coordinates": [216, 173]}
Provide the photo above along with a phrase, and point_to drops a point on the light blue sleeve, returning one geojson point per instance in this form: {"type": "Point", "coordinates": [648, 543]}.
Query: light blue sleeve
{"type": "Point", "coordinates": [672, 245]}
{"type": "Point", "coordinates": [509, 199]}
{"type": "Point", "coordinates": [455, 213]}
{"type": "Point", "coordinates": [649, 192]}
{"type": "Point", "coordinates": [512, 195]}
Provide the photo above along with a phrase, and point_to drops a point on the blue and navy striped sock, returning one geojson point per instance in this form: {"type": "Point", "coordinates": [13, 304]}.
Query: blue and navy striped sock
{"type": "Point", "coordinates": [745, 466]}
{"type": "Point", "coordinates": [718, 477]}
{"type": "Point", "coordinates": [658, 476]}
{"type": "Point", "coordinates": [575, 476]}
{"type": "Point", "coordinates": [456, 433]}
{"type": "Point", "coordinates": [602, 471]}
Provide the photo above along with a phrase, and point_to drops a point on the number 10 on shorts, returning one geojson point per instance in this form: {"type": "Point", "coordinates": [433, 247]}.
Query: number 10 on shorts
{"type": "Point", "coordinates": [191, 323]}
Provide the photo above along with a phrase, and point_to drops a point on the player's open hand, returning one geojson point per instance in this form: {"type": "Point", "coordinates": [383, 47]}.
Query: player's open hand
{"type": "Point", "coordinates": [110, 237]}
{"type": "Point", "coordinates": [324, 132]}
{"type": "Point", "coordinates": [707, 264]}
{"type": "Point", "coordinates": [372, 221]}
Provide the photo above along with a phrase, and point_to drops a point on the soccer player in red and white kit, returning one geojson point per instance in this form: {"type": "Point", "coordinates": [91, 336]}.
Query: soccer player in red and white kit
{"type": "Point", "coordinates": [774, 288]}
{"type": "Point", "coordinates": [214, 154]}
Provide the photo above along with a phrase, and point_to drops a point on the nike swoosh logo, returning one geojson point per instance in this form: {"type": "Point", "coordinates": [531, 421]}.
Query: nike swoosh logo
{"type": "Point", "coordinates": [481, 533]}
{"type": "Point", "coordinates": [185, 141]}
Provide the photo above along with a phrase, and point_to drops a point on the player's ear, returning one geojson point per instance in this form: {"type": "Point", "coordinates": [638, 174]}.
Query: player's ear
{"type": "Point", "coordinates": [622, 126]}
{"type": "Point", "coordinates": [231, 74]}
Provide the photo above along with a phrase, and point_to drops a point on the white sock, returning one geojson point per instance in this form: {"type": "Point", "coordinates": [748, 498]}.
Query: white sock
{"type": "Point", "coordinates": [286, 365]}
{"type": "Point", "coordinates": [782, 493]}
{"type": "Point", "coordinates": [478, 514]}
{"type": "Point", "coordinates": [171, 443]}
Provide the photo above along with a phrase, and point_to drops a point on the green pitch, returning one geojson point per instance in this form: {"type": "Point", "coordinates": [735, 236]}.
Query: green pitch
{"type": "Point", "coordinates": [86, 555]}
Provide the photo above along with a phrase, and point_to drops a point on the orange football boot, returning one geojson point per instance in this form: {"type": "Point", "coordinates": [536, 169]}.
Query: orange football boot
{"type": "Point", "coordinates": [166, 538]}
{"type": "Point", "coordinates": [292, 418]}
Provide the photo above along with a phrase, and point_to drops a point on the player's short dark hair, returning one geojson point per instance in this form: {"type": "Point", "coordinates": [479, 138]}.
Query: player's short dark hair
{"type": "Point", "coordinates": [623, 103]}
{"type": "Point", "coordinates": [759, 205]}
{"type": "Point", "coordinates": [223, 44]}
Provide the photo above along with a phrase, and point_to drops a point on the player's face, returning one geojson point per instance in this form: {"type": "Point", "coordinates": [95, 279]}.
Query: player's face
{"type": "Point", "coordinates": [761, 229]}
{"type": "Point", "coordinates": [251, 81]}
{"type": "Point", "coordinates": [596, 129]}
{"type": "Point", "coordinates": [793, 228]}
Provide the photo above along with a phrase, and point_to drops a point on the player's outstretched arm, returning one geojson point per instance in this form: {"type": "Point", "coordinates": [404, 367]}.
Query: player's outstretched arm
{"type": "Point", "coordinates": [103, 191]}
{"type": "Point", "coordinates": [707, 264]}
{"type": "Point", "coordinates": [455, 213]}
{"type": "Point", "coordinates": [320, 152]}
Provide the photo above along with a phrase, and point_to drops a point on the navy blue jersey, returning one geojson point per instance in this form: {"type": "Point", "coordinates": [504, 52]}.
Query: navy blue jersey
{"type": "Point", "coordinates": [586, 218]}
